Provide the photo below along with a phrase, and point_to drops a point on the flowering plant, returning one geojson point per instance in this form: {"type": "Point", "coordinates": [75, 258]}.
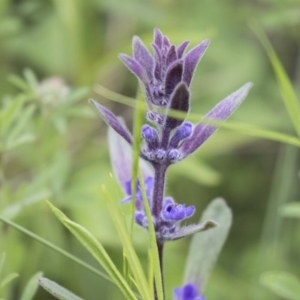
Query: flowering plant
{"type": "Point", "coordinates": [167, 138]}
{"type": "Point", "coordinates": [166, 77]}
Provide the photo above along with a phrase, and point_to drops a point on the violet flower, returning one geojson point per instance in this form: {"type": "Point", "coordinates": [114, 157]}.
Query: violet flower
{"type": "Point", "coordinates": [187, 292]}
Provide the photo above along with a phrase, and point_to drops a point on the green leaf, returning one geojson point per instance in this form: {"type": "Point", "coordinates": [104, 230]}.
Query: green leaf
{"type": "Point", "coordinates": [283, 284]}
{"type": "Point", "coordinates": [8, 279]}
{"type": "Point", "coordinates": [206, 246]}
{"type": "Point", "coordinates": [31, 287]}
{"type": "Point", "coordinates": [56, 290]}
{"type": "Point", "coordinates": [287, 91]}
{"type": "Point", "coordinates": [291, 210]}
{"type": "Point", "coordinates": [96, 249]}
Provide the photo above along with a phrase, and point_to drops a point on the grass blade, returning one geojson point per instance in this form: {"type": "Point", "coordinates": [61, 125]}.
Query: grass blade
{"type": "Point", "coordinates": [133, 261]}
{"type": "Point", "coordinates": [55, 248]}
{"type": "Point", "coordinates": [7, 280]}
{"type": "Point", "coordinates": [56, 290]}
{"type": "Point", "coordinates": [286, 88]}
{"type": "Point", "coordinates": [96, 249]}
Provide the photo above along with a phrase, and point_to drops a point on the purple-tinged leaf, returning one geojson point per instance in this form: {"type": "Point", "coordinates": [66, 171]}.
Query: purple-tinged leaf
{"type": "Point", "coordinates": [121, 158]}
{"type": "Point", "coordinates": [112, 121]}
{"type": "Point", "coordinates": [191, 59]}
{"type": "Point", "coordinates": [181, 48]}
{"type": "Point", "coordinates": [157, 62]}
{"type": "Point", "coordinates": [179, 101]}
{"type": "Point", "coordinates": [188, 230]}
{"type": "Point", "coordinates": [158, 38]}
{"type": "Point", "coordinates": [220, 112]}
{"type": "Point", "coordinates": [134, 67]}
{"type": "Point", "coordinates": [171, 55]}
{"type": "Point", "coordinates": [206, 246]}
{"type": "Point", "coordinates": [173, 77]}
{"type": "Point", "coordinates": [142, 56]}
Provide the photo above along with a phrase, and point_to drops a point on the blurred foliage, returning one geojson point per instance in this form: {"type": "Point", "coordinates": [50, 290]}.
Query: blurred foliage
{"type": "Point", "coordinates": [52, 53]}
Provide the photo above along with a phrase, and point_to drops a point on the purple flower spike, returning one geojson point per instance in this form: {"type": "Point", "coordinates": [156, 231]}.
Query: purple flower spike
{"type": "Point", "coordinates": [221, 112]}
{"type": "Point", "coordinates": [112, 121]}
{"type": "Point", "coordinates": [187, 292]}
{"type": "Point", "coordinates": [166, 69]}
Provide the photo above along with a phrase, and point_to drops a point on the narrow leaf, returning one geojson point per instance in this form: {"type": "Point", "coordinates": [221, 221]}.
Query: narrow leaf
{"type": "Point", "coordinates": [8, 279]}
{"type": "Point", "coordinates": [206, 246]}
{"type": "Point", "coordinates": [287, 91]}
{"type": "Point", "coordinates": [96, 249]}
{"type": "Point", "coordinates": [222, 111]}
{"type": "Point", "coordinates": [55, 248]}
{"type": "Point", "coordinates": [112, 121]}
{"type": "Point", "coordinates": [56, 290]}
{"type": "Point", "coordinates": [283, 284]}
{"type": "Point", "coordinates": [189, 230]}
{"type": "Point", "coordinates": [31, 287]}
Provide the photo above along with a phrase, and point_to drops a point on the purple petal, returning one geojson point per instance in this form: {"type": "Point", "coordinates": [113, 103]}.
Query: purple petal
{"type": "Point", "coordinates": [179, 101]}
{"type": "Point", "coordinates": [189, 211]}
{"type": "Point", "coordinates": [191, 60]}
{"type": "Point", "coordinates": [173, 77]}
{"type": "Point", "coordinates": [134, 67]}
{"type": "Point", "coordinates": [158, 38]}
{"type": "Point", "coordinates": [220, 112]}
{"type": "Point", "coordinates": [112, 121]}
{"type": "Point", "coordinates": [143, 56]}
{"type": "Point", "coordinates": [171, 55]}
{"type": "Point", "coordinates": [181, 48]}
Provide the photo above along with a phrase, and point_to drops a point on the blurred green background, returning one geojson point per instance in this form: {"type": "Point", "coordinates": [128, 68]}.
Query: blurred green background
{"type": "Point", "coordinates": [53, 53]}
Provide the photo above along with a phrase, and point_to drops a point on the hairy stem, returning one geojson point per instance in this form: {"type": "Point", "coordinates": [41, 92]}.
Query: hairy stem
{"type": "Point", "coordinates": [158, 189]}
